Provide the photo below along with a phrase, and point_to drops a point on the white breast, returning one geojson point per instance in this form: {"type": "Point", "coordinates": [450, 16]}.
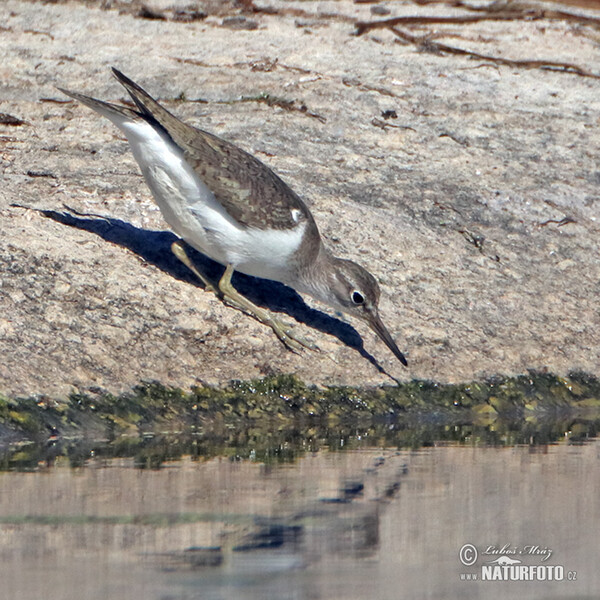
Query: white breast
{"type": "Point", "coordinates": [193, 212]}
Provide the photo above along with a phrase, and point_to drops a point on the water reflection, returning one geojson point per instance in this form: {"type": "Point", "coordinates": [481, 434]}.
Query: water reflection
{"type": "Point", "coordinates": [297, 517]}
{"type": "Point", "coordinates": [290, 442]}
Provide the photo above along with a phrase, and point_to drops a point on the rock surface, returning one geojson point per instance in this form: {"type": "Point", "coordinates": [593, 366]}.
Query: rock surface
{"type": "Point", "coordinates": [470, 189]}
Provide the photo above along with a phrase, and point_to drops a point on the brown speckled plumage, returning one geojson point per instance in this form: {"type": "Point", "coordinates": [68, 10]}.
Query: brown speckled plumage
{"type": "Point", "coordinates": [262, 227]}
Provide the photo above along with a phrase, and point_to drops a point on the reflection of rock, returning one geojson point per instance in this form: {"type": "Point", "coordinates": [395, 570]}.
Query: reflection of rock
{"type": "Point", "coordinates": [189, 559]}
{"type": "Point", "coordinates": [344, 524]}
{"type": "Point", "coordinates": [352, 489]}
{"type": "Point", "coordinates": [352, 533]}
{"type": "Point", "coordinates": [347, 493]}
{"type": "Point", "coordinates": [336, 528]}
{"type": "Point", "coordinates": [271, 535]}
{"type": "Point", "coordinates": [173, 523]}
{"type": "Point", "coordinates": [252, 517]}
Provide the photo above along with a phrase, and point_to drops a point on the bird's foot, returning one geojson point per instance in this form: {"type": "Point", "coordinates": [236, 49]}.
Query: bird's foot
{"type": "Point", "coordinates": [286, 333]}
{"type": "Point", "coordinates": [289, 337]}
{"type": "Point", "coordinates": [230, 296]}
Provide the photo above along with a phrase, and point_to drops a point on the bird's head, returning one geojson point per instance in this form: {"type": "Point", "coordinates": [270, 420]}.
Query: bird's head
{"type": "Point", "coordinates": [352, 289]}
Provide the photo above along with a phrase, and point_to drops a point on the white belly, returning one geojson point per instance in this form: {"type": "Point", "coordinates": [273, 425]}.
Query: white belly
{"type": "Point", "coordinates": [192, 211]}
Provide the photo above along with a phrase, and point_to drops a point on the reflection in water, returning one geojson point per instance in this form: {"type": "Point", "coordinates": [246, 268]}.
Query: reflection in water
{"type": "Point", "coordinates": [273, 443]}
{"type": "Point", "coordinates": [359, 523]}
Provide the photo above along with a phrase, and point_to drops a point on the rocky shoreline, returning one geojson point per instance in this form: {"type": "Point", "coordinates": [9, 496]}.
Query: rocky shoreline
{"type": "Point", "coordinates": [468, 186]}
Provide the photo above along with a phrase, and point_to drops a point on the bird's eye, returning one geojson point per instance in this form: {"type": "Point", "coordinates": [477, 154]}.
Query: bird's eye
{"type": "Point", "coordinates": [357, 298]}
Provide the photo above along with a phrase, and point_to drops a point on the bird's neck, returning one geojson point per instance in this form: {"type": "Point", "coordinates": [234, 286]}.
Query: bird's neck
{"type": "Point", "coordinates": [315, 278]}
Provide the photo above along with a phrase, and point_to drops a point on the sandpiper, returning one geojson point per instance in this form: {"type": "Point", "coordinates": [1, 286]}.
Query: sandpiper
{"type": "Point", "coordinates": [231, 207]}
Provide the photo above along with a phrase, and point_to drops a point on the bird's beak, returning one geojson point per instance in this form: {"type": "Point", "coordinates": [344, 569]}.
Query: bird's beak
{"type": "Point", "coordinates": [379, 328]}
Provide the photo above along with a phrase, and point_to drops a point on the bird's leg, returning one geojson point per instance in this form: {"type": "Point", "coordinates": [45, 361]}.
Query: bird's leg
{"type": "Point", "coordinates": [178, 249]}
{"type": "Point", "coordinates": [284, 332]}
{"type": "Point", "coordinates": [231, 296]}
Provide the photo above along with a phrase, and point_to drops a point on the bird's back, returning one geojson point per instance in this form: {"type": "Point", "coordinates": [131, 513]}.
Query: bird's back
{"type": "Point", "coordinates": [217, 197]}
{"type": "Point", "coordinates": [248, 190]}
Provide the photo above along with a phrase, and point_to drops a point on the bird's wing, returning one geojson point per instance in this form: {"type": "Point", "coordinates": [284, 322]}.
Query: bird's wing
{"type": "Point", "coordinates": [248, 190]}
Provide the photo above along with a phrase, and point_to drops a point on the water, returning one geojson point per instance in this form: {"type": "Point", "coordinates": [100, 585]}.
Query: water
{"type": "Point", "coordinates": [334, 523]}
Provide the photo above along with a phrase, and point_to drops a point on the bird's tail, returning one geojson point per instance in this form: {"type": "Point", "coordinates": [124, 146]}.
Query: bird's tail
{"type": "Point", "coordinates": [148, 107]}
{"type": "Point", "coordinates": [117, 114]}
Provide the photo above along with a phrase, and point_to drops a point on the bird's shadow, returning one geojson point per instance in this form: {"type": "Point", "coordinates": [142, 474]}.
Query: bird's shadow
{"type": "Point", "coordinates": [154, 247]}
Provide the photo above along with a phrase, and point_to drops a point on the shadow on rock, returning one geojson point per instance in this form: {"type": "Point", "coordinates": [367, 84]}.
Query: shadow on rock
{"type": "Point", "coordinates": [154, 247]}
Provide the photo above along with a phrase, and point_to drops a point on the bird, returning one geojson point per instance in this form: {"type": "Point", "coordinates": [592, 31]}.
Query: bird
{"type": "Point", "coordinates": [231, 207]}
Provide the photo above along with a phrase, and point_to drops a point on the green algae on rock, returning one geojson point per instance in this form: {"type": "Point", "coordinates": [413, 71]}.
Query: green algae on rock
{"type": "Point", "coordinates": [268, 415]}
